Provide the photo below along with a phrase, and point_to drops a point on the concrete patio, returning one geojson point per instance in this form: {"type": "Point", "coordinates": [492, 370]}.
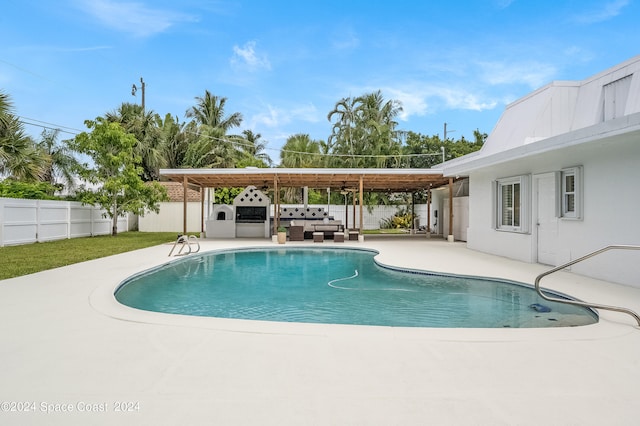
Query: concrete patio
{"type": "Point", "coordinates": [70, 354]}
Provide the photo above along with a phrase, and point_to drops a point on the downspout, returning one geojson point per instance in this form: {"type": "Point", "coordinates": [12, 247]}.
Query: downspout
{"type": "Point", "coordinates": [429, 212]}
{"type": "Point", "coordinates": [184, 206]}
{"type": "Point", "coordinates": [361, 203]}
{"type": "Point", "coordinates": [450, 236]}
{"type": "Point", "coordinates": [202, 228]}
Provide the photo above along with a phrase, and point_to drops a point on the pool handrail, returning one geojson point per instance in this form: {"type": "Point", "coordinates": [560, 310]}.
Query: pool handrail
{"type": "Point", "coordinates": [185, 241]}
{"type": "Point", "coordinates": [587, 304]}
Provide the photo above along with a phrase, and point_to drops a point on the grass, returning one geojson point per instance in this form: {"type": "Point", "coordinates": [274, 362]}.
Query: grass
{"type": "Point", "coordinates": [385, 231]}
{"type": "Point", "coordinates": [30, 258]}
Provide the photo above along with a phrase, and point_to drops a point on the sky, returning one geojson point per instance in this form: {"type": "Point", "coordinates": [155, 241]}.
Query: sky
{"type": "Point", "coordinates": [285, 64]}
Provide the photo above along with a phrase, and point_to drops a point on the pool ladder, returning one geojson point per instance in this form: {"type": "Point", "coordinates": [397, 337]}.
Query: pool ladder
{"type": "Point", "coordinates": [185, 242]}
{"type": "Point", "coordinates": [586, 304]}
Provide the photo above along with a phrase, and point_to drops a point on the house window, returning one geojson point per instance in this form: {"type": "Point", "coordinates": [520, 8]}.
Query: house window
{"type": "Point", "coordinates": [571, 192]}
{"type": "Point", "coordinates": [511, 204]}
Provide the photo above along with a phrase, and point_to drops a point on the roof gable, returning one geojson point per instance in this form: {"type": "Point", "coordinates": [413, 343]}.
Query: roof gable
{"type": "Point", "coordinates": [560, 109]}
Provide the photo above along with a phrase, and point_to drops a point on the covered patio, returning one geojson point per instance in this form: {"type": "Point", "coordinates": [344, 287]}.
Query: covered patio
{"type": "Point", "coordinates": [354, 180]}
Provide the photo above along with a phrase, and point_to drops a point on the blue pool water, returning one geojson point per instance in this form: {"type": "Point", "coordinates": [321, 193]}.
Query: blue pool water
{"type": "Point", "coordinates": [337, 286]}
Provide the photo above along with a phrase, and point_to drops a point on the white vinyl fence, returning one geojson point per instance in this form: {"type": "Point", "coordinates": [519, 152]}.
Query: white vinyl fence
{"type": "Point", "coordinates": [30, 221]}
{"type": "Point", "coordinates": [170, 217]}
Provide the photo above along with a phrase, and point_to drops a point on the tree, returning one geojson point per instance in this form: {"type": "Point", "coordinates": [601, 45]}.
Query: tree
{"type": "Point", "coordinates": [252, 150]}
{"type": "Point", "coordinates": [116, 167]}
{"type": "Point", "coordinates": [425, 151]}
{"type": "Point", "coordinates": [344, 131]}
{"type": "Point", "coordinates": [364, 131]}
{"type": "Point", "coordinates": [5, 108]}
{"type": "Point", "coordinates": [60, 164]}
{"type": "Point", "coordinates": [145, 126]}
{"type": "Point", "coordinates": [377, 118]}
{"type": "Point", "coordinates": [19, 157]}
{"type": "Point", "coordinates": [300, 151]}
{"type": "Point", "coordinates": [211, 146]}
{"type": "Point", "coordinates": [209, 110]}
{"type": "Point", "coordinates": [176, 137]}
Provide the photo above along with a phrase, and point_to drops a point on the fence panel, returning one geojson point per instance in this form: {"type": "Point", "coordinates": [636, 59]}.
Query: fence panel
{"type": "Point", "coordinates": [53, 220]}
{"type": "Point", "coordinates": [30, 221]}
{"type": "Point", "coordinates": [19, 221]}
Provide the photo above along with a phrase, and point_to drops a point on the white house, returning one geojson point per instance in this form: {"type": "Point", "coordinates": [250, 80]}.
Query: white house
{"type": "Point", "coordinates": [559, 176]}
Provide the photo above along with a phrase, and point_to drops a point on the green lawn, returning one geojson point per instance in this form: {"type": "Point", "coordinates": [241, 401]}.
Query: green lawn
{"type": "Point", "coordinates": [385, 231]}
{"type": "Point", "coordinates": [27, 259]}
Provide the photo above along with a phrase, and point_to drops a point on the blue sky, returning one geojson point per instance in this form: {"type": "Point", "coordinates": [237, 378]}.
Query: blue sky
{"type": "Point", "coordinates": [285, 64]}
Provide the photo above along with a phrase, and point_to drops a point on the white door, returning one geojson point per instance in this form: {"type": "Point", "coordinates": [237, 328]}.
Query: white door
{"type": "Point", "coordinates": [546, 221]}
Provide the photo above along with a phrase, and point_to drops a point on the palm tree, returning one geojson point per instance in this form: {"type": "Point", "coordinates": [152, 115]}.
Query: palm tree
{"type": "Point", "coordinates": [344, 132]}
{"type": "Point", "coordinates": [19, 157]}
{"type": "Point", "coordinates": [145, 126]}
{"type": "Point", "coordinates": [377, 120]}
{"type": "Point", "coordinates": [300, 152]}
{"type": "Point", "coordinates": [60, 164]}
{"type": "Point", "coordinates": [5, 109]}
{"type": "Point", "coordinates": [212, 146]}
{"type": "Point", "coordinates": [176, 137]}
{"type": "Point", "coordinates": [252, 149]}
{"type": "Point", "coordinates": [210, 149]}
{"type": "Point", "coordinates": [209, 110]}
{"type": "Point", "coordinates": [365, 125]}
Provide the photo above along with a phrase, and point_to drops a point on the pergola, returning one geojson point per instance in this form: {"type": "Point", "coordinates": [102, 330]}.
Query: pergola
{"type": "Point", "coordinates": [355, 180]}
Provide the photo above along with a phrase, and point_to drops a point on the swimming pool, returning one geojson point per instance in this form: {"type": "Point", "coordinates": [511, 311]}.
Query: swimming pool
{"type": "Point", "coordinates": [338, 286]}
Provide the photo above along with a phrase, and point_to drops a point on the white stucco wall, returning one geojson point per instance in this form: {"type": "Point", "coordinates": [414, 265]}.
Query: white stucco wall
{"type": "Point", "coordinates": [593, 123]}
{"type": "Point", "coordinates": [611, 197]}
{"type": "Point", "coordinates": [170, 218]}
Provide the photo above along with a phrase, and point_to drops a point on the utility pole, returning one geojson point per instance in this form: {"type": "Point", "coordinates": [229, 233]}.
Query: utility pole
{"type": "Point", "coordinates": [134, 89]}
{"type": "Point", "coordinates": [444, 140]}
{"type": "Point", "coordinates": [445, 132]}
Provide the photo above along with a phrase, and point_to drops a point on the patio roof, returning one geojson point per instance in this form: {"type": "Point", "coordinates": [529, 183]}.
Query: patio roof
{"type": "Point", "coordinates": [372, 179]}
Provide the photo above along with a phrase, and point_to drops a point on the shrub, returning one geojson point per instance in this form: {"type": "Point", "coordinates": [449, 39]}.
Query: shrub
{"type": "Point", "coordinates": [10, 188]}
{"type": "Point", "coordinates": [401, 220]}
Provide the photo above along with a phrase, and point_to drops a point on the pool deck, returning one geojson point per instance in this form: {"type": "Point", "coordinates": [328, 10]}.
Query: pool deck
{"type": "Point", "coordinates": [66, 341]}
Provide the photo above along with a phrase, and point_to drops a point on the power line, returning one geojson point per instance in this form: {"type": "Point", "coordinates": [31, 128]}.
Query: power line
{"type": "Point", "coordinates": [73, 131]}
{"type": "Point", "coordinates": [48, 127]}
{"type": "Point", "coordinates": [316, 153]}
{"type": "Point", "coordinates": [56, 126]}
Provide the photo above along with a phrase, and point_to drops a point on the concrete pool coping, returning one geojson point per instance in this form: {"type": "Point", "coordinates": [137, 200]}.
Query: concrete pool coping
{"type": "Point", "coordinates": [67, 341]}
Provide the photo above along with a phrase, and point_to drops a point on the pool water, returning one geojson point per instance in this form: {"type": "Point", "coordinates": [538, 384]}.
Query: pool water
{"type": "Point", "coordinates": [338, 286]}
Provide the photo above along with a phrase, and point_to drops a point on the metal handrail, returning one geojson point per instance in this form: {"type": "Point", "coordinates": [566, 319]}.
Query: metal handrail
{"type": "Point", "coordinates": [185, 241]}
{"type": "Point", "coordinates": [587, 304]}
{"type": "Point", "coordinates": [194, 240]}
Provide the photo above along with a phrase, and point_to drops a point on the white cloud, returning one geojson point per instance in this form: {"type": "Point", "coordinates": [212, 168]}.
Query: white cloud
{"type": "Point", "coordinates": [133, 17]}
{"type": "Point", "coordinates": [604, 12]}
{"type": "Point", "coordinates": [413, 103]}
{"type": "Point", "coordinates": [274, 117]}
{"type": "Point", "coordinates": [423, 99]}
{"type": "Point", "coordinates": [533, 74]}
{"type": "Point", "coordinates": [462, 99]}
{"type": "Point", "coordinates": [307, 112]}
{"type": "Point", "coordinates": [246, 56]}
